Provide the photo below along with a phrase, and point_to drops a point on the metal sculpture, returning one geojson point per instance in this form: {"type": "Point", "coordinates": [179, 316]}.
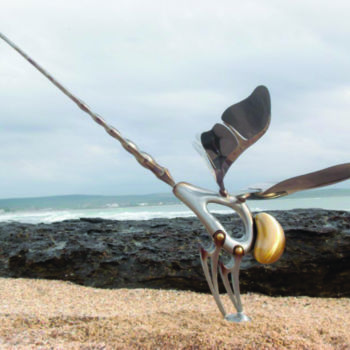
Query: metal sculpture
{"type": "Point", "coordinates": [244, 123]}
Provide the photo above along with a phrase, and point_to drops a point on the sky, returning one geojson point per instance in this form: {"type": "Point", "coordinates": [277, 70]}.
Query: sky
{"type": "Point", "coordinates": [162, 72]}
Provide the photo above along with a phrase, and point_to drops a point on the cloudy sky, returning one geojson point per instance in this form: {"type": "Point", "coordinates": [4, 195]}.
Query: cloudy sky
{"type": "Point", "coordinates": [162, 72]}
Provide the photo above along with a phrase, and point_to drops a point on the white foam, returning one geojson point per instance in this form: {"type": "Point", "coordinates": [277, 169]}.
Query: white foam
{"type": "Point", "coordinates": [112, 205]}
{"type": "Point", "coordinates": [256, 209]}
{"type": "Point", "coordinates": [131, 213]}
{"type": "Point", "coordinates": [162, 211]}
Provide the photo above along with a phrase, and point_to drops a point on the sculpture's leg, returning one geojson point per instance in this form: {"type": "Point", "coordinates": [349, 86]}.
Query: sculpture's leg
{"type": "Point", "coordinates": [214, 254]}
{"type": "Point", "coordinates": [212, 278]}
{"type": "Point", "coordinates": [235, 295]}
{"type": "Point", "coordinates": [224, 272]}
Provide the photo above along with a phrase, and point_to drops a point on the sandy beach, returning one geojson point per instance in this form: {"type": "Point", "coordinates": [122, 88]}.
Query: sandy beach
{"type": "Point", "coordinates": [42, 314]}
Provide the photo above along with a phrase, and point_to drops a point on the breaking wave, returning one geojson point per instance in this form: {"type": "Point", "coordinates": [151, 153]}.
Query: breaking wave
{"type": "Point", "coordinates": [147, 212]}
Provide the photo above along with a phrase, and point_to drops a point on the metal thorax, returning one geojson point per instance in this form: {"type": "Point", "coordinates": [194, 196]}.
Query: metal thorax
{"type": "Point", "coordinates": [197, 199]}
{"type": "Point", "coordinates": [244, 123]}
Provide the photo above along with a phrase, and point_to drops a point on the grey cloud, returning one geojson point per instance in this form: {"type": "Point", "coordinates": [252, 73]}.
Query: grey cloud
{"type": "Point", "coordinates": [162, 72]}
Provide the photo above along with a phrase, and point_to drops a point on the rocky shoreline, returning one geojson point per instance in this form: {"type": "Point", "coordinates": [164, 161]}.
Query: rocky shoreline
{"type": "Point", "coordinates": [163, 253]}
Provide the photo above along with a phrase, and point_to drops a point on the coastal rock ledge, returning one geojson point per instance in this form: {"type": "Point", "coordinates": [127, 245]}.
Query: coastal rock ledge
{"type": "Point", "coordinates": [163, 253]}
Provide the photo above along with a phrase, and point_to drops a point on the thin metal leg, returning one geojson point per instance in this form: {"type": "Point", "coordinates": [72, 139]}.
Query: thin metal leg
{"type": "Point", "coordinates": [214, 268]}
{"type": "Point", "coordinates": [235, 281]}
{"type": "Point", "coordinates": [212, 279]}
{"type": "Point", "coordinates": [213, 287]}
{"type": "Point", "coordinates": [224, 276]}
{"type": "Point", "coordinates": [234, 295]}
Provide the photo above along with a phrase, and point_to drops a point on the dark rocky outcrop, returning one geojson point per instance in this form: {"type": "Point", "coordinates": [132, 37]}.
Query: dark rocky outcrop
{"type": "Point", "coordinates": [163, 253]}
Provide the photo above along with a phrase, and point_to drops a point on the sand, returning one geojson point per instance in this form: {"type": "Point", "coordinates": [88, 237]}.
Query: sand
{"type": "Point", "coordinates": [41, 314]}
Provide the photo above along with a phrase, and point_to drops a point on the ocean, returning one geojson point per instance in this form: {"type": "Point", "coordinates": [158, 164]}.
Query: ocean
{"type": "Point", "coordinates": [144, 207]}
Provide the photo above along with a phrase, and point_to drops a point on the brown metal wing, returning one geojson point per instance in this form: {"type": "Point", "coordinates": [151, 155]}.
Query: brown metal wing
{"type": "Point", "coordinates": [245, 122]}
{"type": "Point", "coordinates": [308, 181]}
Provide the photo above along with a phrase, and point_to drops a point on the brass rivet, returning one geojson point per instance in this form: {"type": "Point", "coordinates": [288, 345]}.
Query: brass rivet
{"type": "Point", "coordinates": [220, 237]}
{"type": "Point", "coordinates": [238, 250]}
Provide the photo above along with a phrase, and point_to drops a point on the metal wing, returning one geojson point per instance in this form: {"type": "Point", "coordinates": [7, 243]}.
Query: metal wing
{"type": "Point", "coordinates": [308, 181]}
{"type": "Point", "coordinates": [245, 122]}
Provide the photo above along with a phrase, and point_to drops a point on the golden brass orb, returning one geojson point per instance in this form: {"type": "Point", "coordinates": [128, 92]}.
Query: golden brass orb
{"type": "Point", "coordinates": [238, 250]}
{"type": "Point", "coordinates": [220, 236]}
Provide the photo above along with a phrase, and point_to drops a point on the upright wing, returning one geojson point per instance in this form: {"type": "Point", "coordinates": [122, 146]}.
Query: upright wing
{"type": "Point", "coordinates": [315, 179]}
{"type": "Point", "coordinates": [250, 118]}
{"type": "Point", "coordinates": [245, 122]}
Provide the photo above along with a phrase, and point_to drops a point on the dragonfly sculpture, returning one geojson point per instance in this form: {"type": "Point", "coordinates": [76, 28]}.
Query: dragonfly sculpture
{"type": "Point", "coordinates": [244, 123]}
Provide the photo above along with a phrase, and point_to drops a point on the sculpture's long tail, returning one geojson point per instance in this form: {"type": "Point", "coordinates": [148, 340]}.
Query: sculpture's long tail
{"type": "Point", "coordinates": [143, 158]}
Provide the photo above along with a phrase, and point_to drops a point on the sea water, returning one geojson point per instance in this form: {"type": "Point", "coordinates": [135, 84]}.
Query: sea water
{"type": "Point", "coordinates": [59, 208]}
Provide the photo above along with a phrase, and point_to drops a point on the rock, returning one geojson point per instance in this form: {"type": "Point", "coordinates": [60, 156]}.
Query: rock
{"type": "Point", "coordinates": [163, 253]}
